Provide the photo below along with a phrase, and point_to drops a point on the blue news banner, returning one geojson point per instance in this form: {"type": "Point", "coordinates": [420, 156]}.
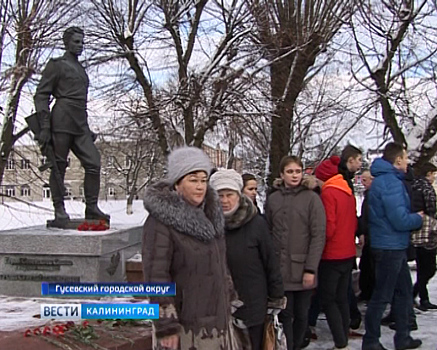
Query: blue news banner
{"type": "Point", "coordinates": [108, 289]}
{"type": "Point", "coordinates": [137, 311]}
{"type": "Point", "coordinates": [104, 311]}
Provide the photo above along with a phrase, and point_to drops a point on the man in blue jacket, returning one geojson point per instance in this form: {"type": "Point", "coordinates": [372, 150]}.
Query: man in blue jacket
{"type": "Point", "coordinates": [390, 224]}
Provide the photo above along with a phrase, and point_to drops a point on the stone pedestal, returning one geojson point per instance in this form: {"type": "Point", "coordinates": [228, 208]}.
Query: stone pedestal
{"type": "Point", "coordinates": [29, 256]}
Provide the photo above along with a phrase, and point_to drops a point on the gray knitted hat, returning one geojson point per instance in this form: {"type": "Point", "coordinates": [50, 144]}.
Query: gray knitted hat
{"type": "Point", "coordinates": [226, 179]}
{"type": "Point", "coordinates": [185, 160]}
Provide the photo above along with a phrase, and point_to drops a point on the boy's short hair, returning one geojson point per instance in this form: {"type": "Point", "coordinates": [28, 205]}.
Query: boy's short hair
{"type": "Point", "coordinates": [425, 169]}
{"type": "Point", "coordinates": [350, 151]}
{"type": "Point", "coordinates": [393, 150]}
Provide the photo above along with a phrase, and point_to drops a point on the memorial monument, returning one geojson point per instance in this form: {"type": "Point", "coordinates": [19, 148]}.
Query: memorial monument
{"type": "Point", "coordinates": [35, 254]}
{"type": "Point", "coordinates": [66, 128]}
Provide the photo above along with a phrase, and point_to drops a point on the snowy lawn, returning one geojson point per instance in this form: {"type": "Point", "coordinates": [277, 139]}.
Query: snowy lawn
{"type": "Point", "coordinates": [427, 322]}
{"type": "Point", "coordinates": [17, 214]}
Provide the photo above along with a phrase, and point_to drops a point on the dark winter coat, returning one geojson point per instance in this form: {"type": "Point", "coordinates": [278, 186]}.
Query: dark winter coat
{"type": "Point", "coordinates": [363, 220]}
{"type": "Point", "coordinates": [186, 245]}
{"type": "Point", "coordinates": [408, 183]}
{"type": "Point", "coordinates": [252, 262]}
{"type": "Point", "coordinates": [297, 222]}
{"type": "Point", "coordinates": [424, 196]}
{"type": "Point", "coordinates": [341, 219]}
{"type": "Point", "coordinates": [390, 218]}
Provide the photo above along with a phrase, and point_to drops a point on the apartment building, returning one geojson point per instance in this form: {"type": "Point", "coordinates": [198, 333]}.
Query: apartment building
{"type": "Point", "coordinates": [121, 164]}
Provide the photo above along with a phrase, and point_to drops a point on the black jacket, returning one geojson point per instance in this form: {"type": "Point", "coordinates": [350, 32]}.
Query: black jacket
{"type": "Point", "coordinates": [424, 197]}
{"type": "Point", "coordinates": [254, 268]}
{"type": "Point", "coordinates": [363, 220]}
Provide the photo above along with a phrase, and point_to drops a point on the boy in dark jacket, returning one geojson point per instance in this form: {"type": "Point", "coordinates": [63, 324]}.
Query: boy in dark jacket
{"type": "Point", "coordinates": [351, 161]}
{"type": "Point", "coordinates": [390, 224]}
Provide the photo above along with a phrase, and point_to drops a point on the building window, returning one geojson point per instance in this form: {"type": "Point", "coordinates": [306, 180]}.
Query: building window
{"type": "Point", "coordinates": [111, 162]}
{"type": "Point", "coordinates": [10, 191]}
{"type": "Point", "coordinates": [25, 191]}
{"type": "Point", "coordinates": [111, 191]}
{"type": "Point", "coordinates": [25, 164]}
{"type": "Point", "coordinates": [10, 164]}
{"type": "Point", "coordinates": [68, 192]}
{"type": "Point", "coordinates": [46, 192]}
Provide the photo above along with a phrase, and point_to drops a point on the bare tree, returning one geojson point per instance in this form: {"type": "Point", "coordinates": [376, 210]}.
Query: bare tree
{"type": "Point", "coordinates": [133, 149]}
{"type": "Point", "coordinates": [28, 29]}
{"type": "Point", "coordinates": [291, 35]}
{"type": "Point", "coordinates": [395, 42]}
{"type": "Point", "coordinates": [192, 101]}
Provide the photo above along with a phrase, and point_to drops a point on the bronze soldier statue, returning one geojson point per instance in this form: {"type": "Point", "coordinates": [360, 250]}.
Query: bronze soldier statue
{"type": "Point", "coordinates": [66, 127]}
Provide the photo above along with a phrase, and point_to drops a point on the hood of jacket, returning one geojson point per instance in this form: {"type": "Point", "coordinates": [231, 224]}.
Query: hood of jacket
{"type": "Point", "coordinates": [338, 182]}
{"type": "Point", "coordinates": [382, 167]}
{"type": "Point", "coordinates": [246, 211]}
{"type": "Point", "coordinates": [305, 184]}
{"type": "Point", "coordinates": [166, 205]}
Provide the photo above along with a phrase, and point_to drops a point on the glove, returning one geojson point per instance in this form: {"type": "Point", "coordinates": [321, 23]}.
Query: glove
{"type": "Point", "coordinates": [44, 137]}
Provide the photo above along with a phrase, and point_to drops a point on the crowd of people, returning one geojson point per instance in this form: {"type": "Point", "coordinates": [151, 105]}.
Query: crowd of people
{"type": "Point", "coordinates": [234, 263]}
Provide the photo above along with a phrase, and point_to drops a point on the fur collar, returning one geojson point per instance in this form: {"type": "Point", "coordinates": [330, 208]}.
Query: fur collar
{"type": "Point", "coordinates": [246, 211]}
{"type": "Point", "coordinates": [203, 223]}
{"type": "Point", "coordinates": [309, 182]}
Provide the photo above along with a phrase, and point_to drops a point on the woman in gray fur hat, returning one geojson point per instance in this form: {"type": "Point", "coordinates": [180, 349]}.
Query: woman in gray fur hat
{"type": "Point", "coordinates": [183, 242]}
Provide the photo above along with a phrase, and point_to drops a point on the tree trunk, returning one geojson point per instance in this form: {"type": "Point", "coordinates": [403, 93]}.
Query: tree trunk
{"type": "Point", "coordinates": [285, 98]}
{"type": "Point", "coordinates": [281, 117]}
{"type": "Point", "coordinates": [130, 200]}
{"type": "Point", "coordinates": [388, 113]}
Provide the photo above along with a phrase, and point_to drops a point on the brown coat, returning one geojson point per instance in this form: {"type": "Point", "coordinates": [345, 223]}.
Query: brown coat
{"type": "Point", "coordinates": [186, 245]}
{"type": "Point", "coordinates": [297, 221]}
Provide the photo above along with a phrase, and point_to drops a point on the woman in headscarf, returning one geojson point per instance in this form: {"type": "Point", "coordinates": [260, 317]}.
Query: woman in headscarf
{"type": "Point", "coordinates": [183, 242]}
{"type": "Point", "coordinates": [250, 255]}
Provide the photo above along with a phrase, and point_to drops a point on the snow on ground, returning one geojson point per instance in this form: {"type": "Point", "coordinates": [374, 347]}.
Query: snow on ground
{"type": "Point", "coordinates": [17, 214]}
{"type": "Point", "coordinates": [427, 322]}
{"type": "Point", "coordinates": [18, 313]}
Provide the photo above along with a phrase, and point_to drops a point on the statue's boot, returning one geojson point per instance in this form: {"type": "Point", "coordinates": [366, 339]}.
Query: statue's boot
{"type": "Point", "coordinates": [60, 213]}
{"type": "Point", "coordinates": [92, 188]}
{"type": "Point", "coordinates": [61, 216]}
